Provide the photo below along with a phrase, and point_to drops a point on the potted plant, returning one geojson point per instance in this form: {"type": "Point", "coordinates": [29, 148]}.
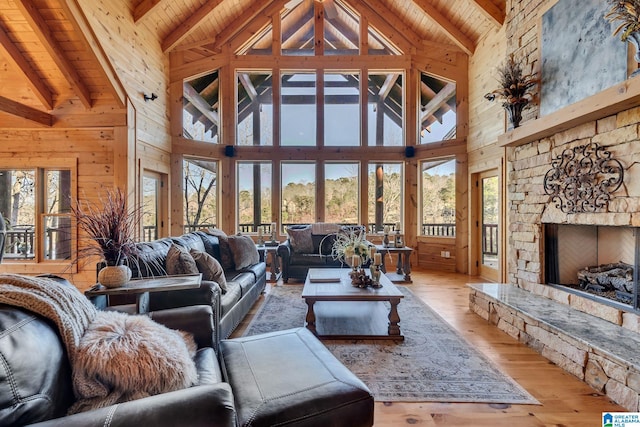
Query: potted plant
{"type": "Point", "coordinates": [626, 13]}
{"type": "Point", "coordinates": [515, 89]}
{"type": "Point", "coordinates": [111, 229]}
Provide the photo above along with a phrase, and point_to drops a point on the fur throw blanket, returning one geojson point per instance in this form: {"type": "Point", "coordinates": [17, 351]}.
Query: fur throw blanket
{"type": "Point", "coordinates": [114, 357]}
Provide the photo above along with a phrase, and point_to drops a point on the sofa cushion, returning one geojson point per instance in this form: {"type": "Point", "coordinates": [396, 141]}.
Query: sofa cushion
{"type": "Point", "coordinates": [189, 241]}
{"type": "Point", "coordinates": [226, 256]}
{"type": "Point", "coordinates": [312, 260]}
{"type": "Point", "coordinates": [35, 382]}
{"type": "Point", "coordinates": [244, 251]}
{"type": "Point", "coordinates": [301, 240]}
{"type": "Point", "coordinates": [245, 280]}
{"type": "Point", "coordinates": [231, 297]}
{"type": "Point", "coordinates": [180, 261]}
{"type": "Point", "coordinates": [210, 268]}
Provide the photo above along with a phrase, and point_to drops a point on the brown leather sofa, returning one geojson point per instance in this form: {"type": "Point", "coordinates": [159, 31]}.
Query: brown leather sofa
{"type": "Point", "coordinates": [244, 286]}
{"type": "Point", "coordinates": [281, 378]}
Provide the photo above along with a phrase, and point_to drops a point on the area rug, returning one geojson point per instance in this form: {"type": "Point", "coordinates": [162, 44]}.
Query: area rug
{"type": "Point", "coordinates": [434, 363]}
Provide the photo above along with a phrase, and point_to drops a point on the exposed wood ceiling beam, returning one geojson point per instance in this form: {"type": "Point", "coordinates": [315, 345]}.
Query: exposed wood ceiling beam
{"type": "Point", "coordinates": [491, 11]}
{"type": "Point", "coordinates": [255, 18]}
{"type": "Point", "coordinates": [21, 110]}
{"type": "Point", "coordinates": [386, 22]}
{"type": "Point", "coordinates": [144, 8]}
{"type": "Point", "coordinates": [200, 103]}
{"type": "Point", "coordinates": [246, 82]}
{"type": "Point", "coordinates": [19, 62]}
{"type": "Point", "coordinates": [79, 21]}
{"type": "Point", "coordinates": [457, 36]}
{"type": "Point", "coordinates": [437, 101]}
{"type": "Point", "coordinates": [388, 85]}
{"type": "Point", "coordinates": [42, 31]}
{"type": "Point", "coordinates": [186, 27]}
{"type": "Point", "coordinates": [330, 9]}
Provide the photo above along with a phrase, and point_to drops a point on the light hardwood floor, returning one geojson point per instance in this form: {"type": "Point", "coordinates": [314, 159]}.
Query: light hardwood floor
{"type": "Point", "coordinates": [566, 401]}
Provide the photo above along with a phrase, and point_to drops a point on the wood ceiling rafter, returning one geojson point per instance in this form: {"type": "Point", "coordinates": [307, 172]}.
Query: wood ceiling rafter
{"type": "Point", "coordinates": [200, 103]}
{"type": "Point", "coordinates": [492, 12]}
{"type": "Point", "coordinates": [186, 27]}
{"type": "Point", "coordinates": [453, 32]}
{"type": "Point", "coordinates": [20, 63]}
{"type": "Point", "coordinates": [396, 31]}
{"type": "Point", "coordinates": [144, 9]}
{"type": "Point", "coordinates": [78, 19]}
{"type": "Point", "coordinates": [16, 109]}
{"type": "Point", "coordinates": [53, 48]}
{"type": "Point", "coordinates": [256, 21]}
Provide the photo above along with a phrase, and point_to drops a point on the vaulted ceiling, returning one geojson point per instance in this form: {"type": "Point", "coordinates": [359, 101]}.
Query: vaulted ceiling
{"type": "Point", "coordinates": [49, 56]}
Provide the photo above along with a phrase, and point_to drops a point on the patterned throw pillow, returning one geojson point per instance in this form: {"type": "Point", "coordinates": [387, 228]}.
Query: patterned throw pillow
{"type": "Point", "coordinates": [226, 256]}
{"type": "Point", "coordinates": [180, 261]}
{"type": "Point", "coordinates": [301, 240]}
{"type": "Point", "coordinates": [210, 268]}
{"type": "Point", "coordinates": [244, 251]}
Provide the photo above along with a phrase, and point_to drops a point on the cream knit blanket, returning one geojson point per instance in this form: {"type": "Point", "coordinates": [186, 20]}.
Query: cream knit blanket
{"type": "Point", "coordinates": [71, 311]}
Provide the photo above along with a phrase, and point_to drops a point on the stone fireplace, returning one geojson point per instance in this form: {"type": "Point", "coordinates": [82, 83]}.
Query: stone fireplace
{"type": "Point", "coordinates": [605, 235]}
{"type": "Point", "coordinates": [598, 262]}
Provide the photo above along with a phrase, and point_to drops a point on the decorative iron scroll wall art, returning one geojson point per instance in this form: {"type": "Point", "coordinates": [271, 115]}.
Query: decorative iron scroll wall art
{"type": "Point", "coordinates": [583, 178]}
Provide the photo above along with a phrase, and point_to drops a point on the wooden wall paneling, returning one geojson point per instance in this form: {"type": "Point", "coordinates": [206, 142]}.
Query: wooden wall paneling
{"type": "Point", "coordinates": [252, 21]}
{"type": "Point", "coordinates": [429, 254]}
{"type": "Point", "coordinates": [176, 191]}
{"type": "Point", "coordinates": [462, 215]}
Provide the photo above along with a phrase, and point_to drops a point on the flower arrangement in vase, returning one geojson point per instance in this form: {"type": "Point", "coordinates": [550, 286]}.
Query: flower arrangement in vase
{"type": "Point", "coordinates": [626, 13]}
{"type": "Point", "coordinates": [111, 229]}
{"type": "Point", "coordinates": [515, 89]}
{"type": "Point", "coordinates": [348, 244]}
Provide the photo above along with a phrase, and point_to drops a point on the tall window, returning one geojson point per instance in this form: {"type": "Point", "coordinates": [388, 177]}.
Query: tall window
{"type": "Point", "coordinates": [437, 109]}
{"type": "Point", "coordinates": [298, 193]}
{"type": "Point", "coordinates": [342, 109]}
{"type": "Point", "coordinates": [385, 195]}
{"type": "Point", "coordinates": [36, 230]}
{"type": "Point", "coordinates": [298, 109]}
{"type": "Point", "coordinates": [255, 109]}
{"type": "Point", "coordinates": [341, 195]}
{"type": "Point", "coordinates": [201, 106]}
{"type": "Point", "coordinates": [438, 182]}
{"type": "Point", "coordinates": [254, 195]}
{"type": "Point", "coordinates": [385, 109]}
{"type": "Point", "coordinates": [200, 194]}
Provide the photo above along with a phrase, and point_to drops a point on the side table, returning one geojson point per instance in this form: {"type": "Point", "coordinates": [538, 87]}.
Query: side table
{"type": "Point", "coordinates": [403, 267]}
{"type": "Point", "coordinates": [269, 254]}
{"type": "Point", "coordinates": [142, 287]}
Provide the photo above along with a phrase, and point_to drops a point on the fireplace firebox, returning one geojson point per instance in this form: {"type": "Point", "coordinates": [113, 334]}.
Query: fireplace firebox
{"type": "Point", "coordinates": [598, 262]}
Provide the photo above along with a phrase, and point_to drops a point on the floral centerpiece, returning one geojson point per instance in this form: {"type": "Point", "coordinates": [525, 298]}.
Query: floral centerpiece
{"type": "Point", "coordinates": [515, 89]}
{"type": "Point", "coordinates": [350, 243]}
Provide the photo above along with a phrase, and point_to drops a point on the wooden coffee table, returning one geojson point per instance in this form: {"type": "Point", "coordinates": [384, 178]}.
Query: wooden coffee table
{"type": "Point", "coordinates": [338, 310]}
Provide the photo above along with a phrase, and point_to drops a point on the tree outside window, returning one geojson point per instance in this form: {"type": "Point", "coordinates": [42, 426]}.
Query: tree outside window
{"type": "Point", "coordinates": [438, 180]}
{"type": "Point", "coordinates": [200, 180]}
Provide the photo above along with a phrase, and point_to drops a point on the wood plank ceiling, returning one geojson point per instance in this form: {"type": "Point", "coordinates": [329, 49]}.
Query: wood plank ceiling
{"type": "Point", "coordinates": [49, 57]}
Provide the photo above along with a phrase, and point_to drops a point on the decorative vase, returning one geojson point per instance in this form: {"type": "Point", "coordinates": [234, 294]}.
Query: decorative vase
{"type": "Point", "coordinates": [634, 39]}
{"type": "Point", "coordinates": [113, 276]}
{"type": "Point", "coordinates": [514, 112]}
{"type": "Point", "coordinates": [385, 240]}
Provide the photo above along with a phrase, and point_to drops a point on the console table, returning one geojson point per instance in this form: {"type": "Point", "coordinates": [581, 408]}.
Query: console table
{"type": "Point", "coordinates": [142, 287]}
{"type": "Point", "coordinates": [403, 266]}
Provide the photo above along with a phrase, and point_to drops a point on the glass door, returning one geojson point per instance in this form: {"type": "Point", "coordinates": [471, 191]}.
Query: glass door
{"type": "Point", "coordinates": [152, 222]}
{"type": "Point", "coordinates": [489, 222]}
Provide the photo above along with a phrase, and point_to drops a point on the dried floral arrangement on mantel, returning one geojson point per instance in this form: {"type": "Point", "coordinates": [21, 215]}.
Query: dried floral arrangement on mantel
{"type": "Point", "coordinates": [583, 178]}
{"type": "Point", "coordinates": [515, 89]}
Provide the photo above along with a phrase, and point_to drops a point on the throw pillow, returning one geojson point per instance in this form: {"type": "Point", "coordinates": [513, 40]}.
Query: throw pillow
{"type": "Point", "coordinates": [180, 261]}
{"type": "Point", "coordinates": [301, 240]}
{"type": "Point", "coordinates": [226, 256]}
{"type": "Point", "coordinates": [244, 251]}
{"type": "Point", "coordinates": [122, 357]}
{"type": "Point", "coordinates": [210, 268]}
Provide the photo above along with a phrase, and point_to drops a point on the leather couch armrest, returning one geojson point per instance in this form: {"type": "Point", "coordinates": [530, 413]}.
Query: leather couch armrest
{"type": "Point", "coordinates": [207, 405]}
{"type": "Point", "coordinates": [198, 320]}
{"type": "Point", "coordinates": [284, 249]}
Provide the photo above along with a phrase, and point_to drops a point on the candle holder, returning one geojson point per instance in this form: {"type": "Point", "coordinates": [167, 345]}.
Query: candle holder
{"type": "Point", "coordinates": [385, 240]}
{"type": "Point", "coordinates": [375, 276]}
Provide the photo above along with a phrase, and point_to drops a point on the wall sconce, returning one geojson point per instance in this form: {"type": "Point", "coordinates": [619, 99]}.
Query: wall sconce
{"type": "Point", "coordinates": [149, 98]}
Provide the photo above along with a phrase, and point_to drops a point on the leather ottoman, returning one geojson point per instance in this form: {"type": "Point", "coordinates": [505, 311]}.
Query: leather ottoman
{"type": "Point", "coordinates": [289, 378]}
